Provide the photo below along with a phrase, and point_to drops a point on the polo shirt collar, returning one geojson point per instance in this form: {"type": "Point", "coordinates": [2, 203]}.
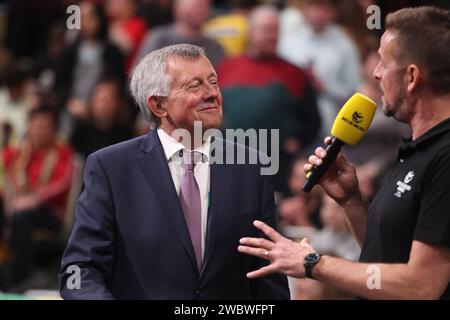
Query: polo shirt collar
{"type": "Point", "coordinates": [432, 133]}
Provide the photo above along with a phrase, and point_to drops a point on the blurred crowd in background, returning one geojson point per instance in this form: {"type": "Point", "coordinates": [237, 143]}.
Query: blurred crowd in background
{"type": "Point", "coordinates": [287, 65]}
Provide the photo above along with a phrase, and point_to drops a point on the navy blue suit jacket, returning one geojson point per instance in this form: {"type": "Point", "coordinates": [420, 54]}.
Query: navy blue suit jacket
{"type": "Point", "coordinates": [130, 239]}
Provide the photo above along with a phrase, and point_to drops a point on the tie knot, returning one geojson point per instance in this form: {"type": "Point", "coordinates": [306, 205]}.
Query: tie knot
{"type": "Point", "coordinates": [190, 158]}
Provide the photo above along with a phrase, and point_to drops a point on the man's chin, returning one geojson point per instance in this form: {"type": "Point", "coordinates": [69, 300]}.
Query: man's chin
{"type": "Point", "coordinates": [211, 123]}
{"type": "Point", "coordinates": [388, 112]}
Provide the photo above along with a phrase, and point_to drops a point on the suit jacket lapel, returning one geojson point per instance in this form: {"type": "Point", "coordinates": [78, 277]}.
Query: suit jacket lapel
{"type": "Point", "coordinates": [154, 166]}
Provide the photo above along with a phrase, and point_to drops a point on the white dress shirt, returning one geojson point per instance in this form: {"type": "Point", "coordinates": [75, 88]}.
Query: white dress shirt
{"type": "Point", "coordinates": [172, 150]}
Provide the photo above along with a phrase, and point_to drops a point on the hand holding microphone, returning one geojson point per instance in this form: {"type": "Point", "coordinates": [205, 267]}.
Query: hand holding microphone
{"type": "Point", "coordinates": [349, 127]}
{"type": "Point", "coordinates": [339, 181]}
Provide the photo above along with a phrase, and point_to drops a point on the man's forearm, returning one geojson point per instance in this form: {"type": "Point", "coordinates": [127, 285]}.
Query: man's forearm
{"type": "Point", "coordinates": [355, 211]}
{"type": "Point", "coordinates": [372, 281]}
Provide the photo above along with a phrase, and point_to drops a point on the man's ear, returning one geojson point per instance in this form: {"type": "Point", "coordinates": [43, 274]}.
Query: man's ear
{"type": "Point", "coordinates": [413, 77]}
{"type": "Point", "coordinates": [156, 107]}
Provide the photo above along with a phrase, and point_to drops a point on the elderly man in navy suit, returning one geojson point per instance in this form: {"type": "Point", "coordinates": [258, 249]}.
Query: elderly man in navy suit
{"type": "Point", "coordinates": [160, 220]}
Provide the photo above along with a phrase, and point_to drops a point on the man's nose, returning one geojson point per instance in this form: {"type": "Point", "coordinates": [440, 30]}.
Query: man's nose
{"type": "Point", "coordinates": [211, 91]}
{"type": "Point", "coordinates": [376, 72]}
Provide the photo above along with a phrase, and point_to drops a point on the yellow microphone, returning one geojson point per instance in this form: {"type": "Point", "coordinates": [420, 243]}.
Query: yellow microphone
{"type": "Point", "coordinates": [349, 127]}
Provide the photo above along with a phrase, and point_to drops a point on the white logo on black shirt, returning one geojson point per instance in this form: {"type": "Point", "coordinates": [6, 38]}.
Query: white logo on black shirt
{"type": "Point", "coordinates": [403, 186]}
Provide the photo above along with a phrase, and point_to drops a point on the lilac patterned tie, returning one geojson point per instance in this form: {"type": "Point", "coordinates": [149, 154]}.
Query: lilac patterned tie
{"type": "Point", "coordinates": [190, 203]}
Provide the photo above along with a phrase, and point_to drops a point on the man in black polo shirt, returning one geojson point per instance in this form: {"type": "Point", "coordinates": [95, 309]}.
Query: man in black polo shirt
{"type": "Point", "coordinates": [405, 233]}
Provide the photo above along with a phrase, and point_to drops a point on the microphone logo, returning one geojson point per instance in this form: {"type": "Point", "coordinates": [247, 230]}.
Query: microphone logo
{"type": "Point", "coordinates": [357, 117]}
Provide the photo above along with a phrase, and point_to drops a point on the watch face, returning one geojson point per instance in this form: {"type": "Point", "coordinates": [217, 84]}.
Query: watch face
{"type": "Point", "coordinates": [312, 258]}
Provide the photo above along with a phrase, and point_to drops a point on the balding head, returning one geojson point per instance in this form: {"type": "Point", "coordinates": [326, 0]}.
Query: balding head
{"type": "Point", "coordinates": [263, 22]}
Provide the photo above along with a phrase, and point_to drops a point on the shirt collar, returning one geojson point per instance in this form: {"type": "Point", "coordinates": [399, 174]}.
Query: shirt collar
{"type": "Point", "coordinates": [172, 147]}
{"type": "Point", "coordinates": [435, 131]}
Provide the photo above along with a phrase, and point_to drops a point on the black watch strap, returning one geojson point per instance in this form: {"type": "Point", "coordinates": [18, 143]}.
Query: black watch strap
{"type": "Point", "coordinates": [308, 272]}
{"type": "Point", "coordinates": [309, 262]}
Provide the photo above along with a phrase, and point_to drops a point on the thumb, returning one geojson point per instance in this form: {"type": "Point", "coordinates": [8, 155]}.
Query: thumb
{"type": "Point", "coordinates": [304, 241]}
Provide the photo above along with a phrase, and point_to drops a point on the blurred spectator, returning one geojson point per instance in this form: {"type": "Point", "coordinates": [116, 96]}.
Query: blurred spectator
{"type": "Point", "coordinates": [86, 61]}
{"type": "Point", "coordinates": [328, 54]}
{"type": "Point", "coordinates": [6, 130]}
{"type": "Point", "coordinates": [47, 63]}
{"type": "Point", "coordinates": [156, 12]}
{"type": "Point", "coordinates": [38, 97]}
{"type": "Point", "coordinates": [334, 239]}
{"type": "Point", "coordinates": [28, 22]}
{"type": "Point", "coordinates": [352, 18]}
{"type": "Point", "coordinates": [108, 122]}
{"type": "Point", "coordinates": [190, 16]}
{"type": "Point", "coordinates": [299, 209]}
{"type": "Point", "coordinates": [231, 30]}
{"type": "Point", "coordinates": [262, 91]}
{"type": "Point", "coordinates": [2, 224]}
{"type": "Point", "coordinates": [141, 125]}
{"type": "Point", "coordinates": [13, 101]}
{"type": "Point", "coordinates": [39, 174]}
{"type": "Point", "coordinates": [291, 19]}
{"type": "Point", "coordinates": [126, 29]}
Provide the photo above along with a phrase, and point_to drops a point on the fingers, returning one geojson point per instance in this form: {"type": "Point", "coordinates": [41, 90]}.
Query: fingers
{"type": "Point", "coordinates": [264, 271]}
{"type": "Point", "coordinates": [257, 243]}
{"type": "Point", "coordinates": [304, 241]}
{"type": "Point", "coordinates": [257, 252]}
{"type": "Point", "coordinates": [307, 167]}
{"type": "Point", "coordinates": [319, 154]}
{"type": "Point", "coordinates": [268, 231]}
{"type": "Point", "coordinates": [261, 253]}
{"type": "Point", "coordinates": [316, 159]}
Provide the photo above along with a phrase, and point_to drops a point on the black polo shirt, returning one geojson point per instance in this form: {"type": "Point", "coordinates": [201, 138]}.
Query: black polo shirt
{"type": "Point", "coordinates": [414, 201]}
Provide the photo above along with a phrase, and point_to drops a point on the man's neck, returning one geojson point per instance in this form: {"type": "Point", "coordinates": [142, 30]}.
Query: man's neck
{"type": "Point", "coordinates": [319, 31]}
{"type": "Point", "coordinates": [258, 55]}
{"type": "Point", "coordinates": [430, 112]}
{"type": "Point", "coordinates": [43, 146]}
{"type": "Point", "coordinates": [103, 124]}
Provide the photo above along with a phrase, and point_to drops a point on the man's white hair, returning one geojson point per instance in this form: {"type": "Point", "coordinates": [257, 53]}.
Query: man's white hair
{"type": "Point", "coordinates": [151, 77]}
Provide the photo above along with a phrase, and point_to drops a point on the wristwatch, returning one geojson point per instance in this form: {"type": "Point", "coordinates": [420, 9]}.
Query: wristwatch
{"type": "Point", "coordinates": [309, 262]}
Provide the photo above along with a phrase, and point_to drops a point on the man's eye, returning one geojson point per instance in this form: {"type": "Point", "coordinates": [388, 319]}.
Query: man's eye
{"type": "Point", "coordinates": [194, 86]}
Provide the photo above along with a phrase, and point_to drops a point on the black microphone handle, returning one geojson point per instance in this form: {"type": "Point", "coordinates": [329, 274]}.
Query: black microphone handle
{"type": "Point", "coordinates": [317, 172]}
